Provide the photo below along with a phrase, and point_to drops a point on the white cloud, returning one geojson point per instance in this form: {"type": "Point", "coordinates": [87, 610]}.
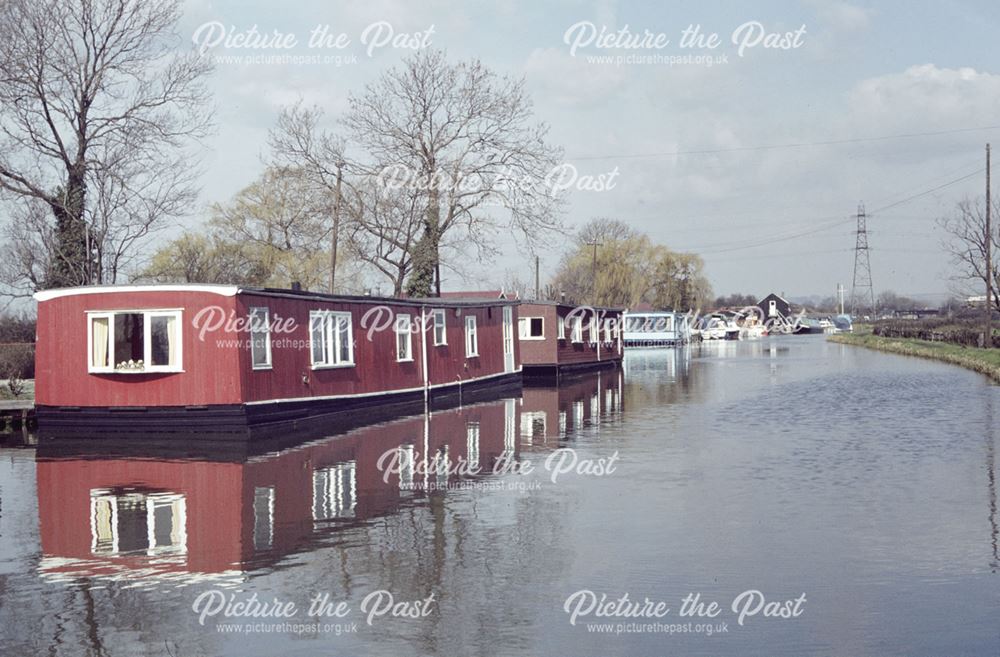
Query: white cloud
{"type": "Point", "coordinates": [926, 95]}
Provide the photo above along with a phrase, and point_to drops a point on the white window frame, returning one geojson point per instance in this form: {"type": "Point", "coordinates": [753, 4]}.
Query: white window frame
{"type": "Point", "coordinates": [471, 337]}
{"type": "Point", "coordinates": [440, 320]}
{"type": "Point", "coordinates": [576, 330]}
{"type": "Point", "coordinates": [607, 330]}
{"type": "Point", "coordinates": [147, 346]}
{"type": "Point", "coordinates": [330, 339]}
{"type": "Point", "coordinates": [403, 325]}
{"type": "Point", "coordinates": [267, 340]}
{"type": "Point", "coordinates": [524, 328]}
{"type": "Point", "coordinates": [560, 327]}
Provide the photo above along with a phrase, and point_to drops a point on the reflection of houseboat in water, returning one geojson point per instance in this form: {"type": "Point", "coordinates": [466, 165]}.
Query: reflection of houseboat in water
{"type": "Point", "coordinates": [108, 509]}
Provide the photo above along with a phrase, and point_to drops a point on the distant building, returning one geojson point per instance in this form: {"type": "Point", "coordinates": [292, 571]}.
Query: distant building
{"type": "Point", "coordinates": [774, 306]}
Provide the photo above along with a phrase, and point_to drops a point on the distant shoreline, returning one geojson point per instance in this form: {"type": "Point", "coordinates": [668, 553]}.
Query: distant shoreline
{"type": "Point", "coordinates": [983, 361]}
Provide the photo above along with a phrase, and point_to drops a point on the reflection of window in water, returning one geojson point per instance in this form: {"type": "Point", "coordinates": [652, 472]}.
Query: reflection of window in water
{"type": "Point", "coordinates": [609, 401]}
{"type": "Point", "coordinates": [472, 445]}
{"type": "Point", "coordinates": [263, 517]}
{"type": "Point", "coordinates": [509, 428]}
{"type": "Point", "coordinates": [595, 409]}
{"type": "Point", "coordinates": [562, 424]}
{"type": "Point", "coordinates": [532, 426]}
{"type": "Point", "coordinates": [122, 523]}
{"type": "Point", "coordinates": [334, 491]}
{"type": "Point", "coordinates": [578, 414]}
{"type": "Point", "coordinates": [441, 463]}
{"type": "Point", "coordinates": [407, 464]}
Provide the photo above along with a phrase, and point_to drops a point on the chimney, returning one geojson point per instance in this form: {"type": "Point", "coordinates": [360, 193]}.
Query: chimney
{"type": "Point", "coordinates": [296, 286]}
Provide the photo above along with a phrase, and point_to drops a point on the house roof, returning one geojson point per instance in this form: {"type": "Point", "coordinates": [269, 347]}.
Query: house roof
{"type": "Point", "coordinates": [776, 296]}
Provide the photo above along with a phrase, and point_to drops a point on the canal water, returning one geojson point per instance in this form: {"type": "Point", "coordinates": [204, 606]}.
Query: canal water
{"type": "Point", "coordinates": [828, 500]}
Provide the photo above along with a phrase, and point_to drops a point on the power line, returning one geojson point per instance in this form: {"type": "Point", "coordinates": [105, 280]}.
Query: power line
{"type": "Point", "coordinates": [767, 147]}
{"type": "Point", "coordinates": [738, 246]}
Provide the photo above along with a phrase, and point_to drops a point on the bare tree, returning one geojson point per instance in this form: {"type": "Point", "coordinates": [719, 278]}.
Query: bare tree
{"type": "Point", "coordinates": [383, 228]}
{"type": "Point", "coordinates": [98, 114]}
{"type": "Point", "coordinates": [966, 243]}
{"type": "Point", "coordinates": [299, 141]}
{"type": "Point", "coordinates": [460, 140]}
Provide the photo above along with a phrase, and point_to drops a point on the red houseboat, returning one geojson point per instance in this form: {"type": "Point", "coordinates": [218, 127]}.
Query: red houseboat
{"type": "Point", "coordinates": [557, 338]}
{"type": "Point", "coordinates": [167, 359]}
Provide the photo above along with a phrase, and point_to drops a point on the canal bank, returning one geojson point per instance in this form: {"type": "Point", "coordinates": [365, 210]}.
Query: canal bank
{"type": "Point", "coordinates": [984, 361]}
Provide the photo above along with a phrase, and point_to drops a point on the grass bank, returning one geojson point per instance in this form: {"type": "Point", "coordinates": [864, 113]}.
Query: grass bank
{"type": "Point", "coordinates": [984, 361]}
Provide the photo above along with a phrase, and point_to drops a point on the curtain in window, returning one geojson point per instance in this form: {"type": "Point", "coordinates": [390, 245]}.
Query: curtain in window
{"type": "Point", "coordinates": [172, 341]}
{"type": "Point", "coordinates": [99, 334]}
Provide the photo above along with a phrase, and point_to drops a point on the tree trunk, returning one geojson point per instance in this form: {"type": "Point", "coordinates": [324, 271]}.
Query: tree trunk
{"type": "Point", "coordinates": [426, 252]}
{"type": "Point", "coordinates": [69, 265]}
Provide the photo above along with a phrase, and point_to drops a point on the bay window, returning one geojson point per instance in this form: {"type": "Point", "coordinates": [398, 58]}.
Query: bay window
{"type": "Point", "coordinates": [134, 341]}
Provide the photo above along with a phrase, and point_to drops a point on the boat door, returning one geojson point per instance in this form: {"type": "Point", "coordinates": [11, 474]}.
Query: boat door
{"type": "Point", "coordinates": [508, 339]}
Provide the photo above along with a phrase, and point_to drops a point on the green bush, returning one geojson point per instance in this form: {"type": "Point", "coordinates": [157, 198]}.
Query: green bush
{"type": "Point", "coordinates": [965, 332]}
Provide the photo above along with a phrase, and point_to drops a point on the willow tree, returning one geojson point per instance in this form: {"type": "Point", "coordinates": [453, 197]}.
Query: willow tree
{"type": "Point", "coordinates": [461, 142]}
{"type": "Point", "coordinates": [98, 116]}
{"type": "Point", "coordinates": [612, 264]}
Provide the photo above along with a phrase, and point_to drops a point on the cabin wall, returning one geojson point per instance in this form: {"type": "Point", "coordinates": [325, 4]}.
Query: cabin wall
{"type": "Point", "coordinates": [574, 353]}
{"type": "Point", "coordinates": [375, 368]}
{"type": "Point", "coordinates": [540, 352]}
{"type": "Point", "coordinates": [210, 376]}
{"type": "Point", "coordinates": [554, 351]}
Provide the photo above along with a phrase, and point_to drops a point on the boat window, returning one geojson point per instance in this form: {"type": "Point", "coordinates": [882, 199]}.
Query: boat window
{"type": "Point", "coordinates": [471, 337]}
{"type": "Point", "coordinates": [577, 324]}
{"type": "Point", "coordinates": [531, 328]}
{"type": "Point", "coordinates": [440, 329]}
{"type": "Point", "coordinates": [135, 341]}
{"type": "Point", "coordinates": [561, 328]}
{"type": "Point", "coordinates": [404, 339]}
{"type": "Point", "coordinates": [331, 339]}
{"type": "Point", "coordinates": [260, 338]}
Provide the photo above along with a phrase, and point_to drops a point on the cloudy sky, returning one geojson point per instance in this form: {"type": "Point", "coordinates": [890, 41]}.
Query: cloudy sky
{"type": "Point", "coordinates": [757, 161]}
